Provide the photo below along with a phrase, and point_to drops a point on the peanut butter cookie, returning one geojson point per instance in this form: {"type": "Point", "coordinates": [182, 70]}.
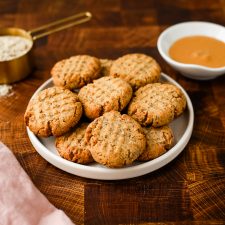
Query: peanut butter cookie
{"type": "Point", "coordinates": [159, 140]}
{"type": "Point", "coordinates": [157, 104]}
{"type": "Point", "coordinates": [73, 147]}
{"type": "Point", "coordinates": [76, 71]}
{"type": "Point", "coordinates": [137, 69]}
{"type": "Point", "coordinates": [104, 95]}
{"type": "Point", "coordinates": [115, 140]}
{"type": "Point", "coordinates": [53, 111]}
{"type": "Point", "coordinates": [105, 66]}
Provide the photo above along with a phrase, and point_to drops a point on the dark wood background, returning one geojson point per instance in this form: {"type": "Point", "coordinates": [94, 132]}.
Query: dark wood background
{"type": "Point", "coordinates": [190, 189]}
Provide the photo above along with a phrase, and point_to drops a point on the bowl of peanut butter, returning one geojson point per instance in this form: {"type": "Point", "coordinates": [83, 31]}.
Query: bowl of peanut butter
{"type": "Point", "coordinates": [195, 49]}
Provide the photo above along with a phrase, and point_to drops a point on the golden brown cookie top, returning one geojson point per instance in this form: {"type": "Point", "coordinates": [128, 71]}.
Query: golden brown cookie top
{"type": "Point", "coordinates": [53, 111]}
{"type": "Point", "coordinates": [104, 95]}
{"type": "Point", "coordinates": [157, 104]}
{"type": "Point", "coordinates": [137, 69]}
{"type": "Point", "coordinates": [115, 140]}
{"type": "Point", "coordinates": [76, 71]}
{"type": "Point", "coordinates": [159, 140]}
{"type": "Point", "coordinates": [73, 147]}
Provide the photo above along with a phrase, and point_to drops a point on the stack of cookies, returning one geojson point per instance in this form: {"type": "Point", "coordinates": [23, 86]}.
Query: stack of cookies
{"type": "Point", "coordinates": [120, 113]}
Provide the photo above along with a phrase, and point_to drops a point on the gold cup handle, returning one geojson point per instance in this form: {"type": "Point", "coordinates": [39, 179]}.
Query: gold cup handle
{"type": "Point", "coordinates": [60, 25]}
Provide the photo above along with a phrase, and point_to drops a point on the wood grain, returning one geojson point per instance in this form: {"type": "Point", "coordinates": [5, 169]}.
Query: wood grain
{"type": "Point", "coordinates": [190, 189]}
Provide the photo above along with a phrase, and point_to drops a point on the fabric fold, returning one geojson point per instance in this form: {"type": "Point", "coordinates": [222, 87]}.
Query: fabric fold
{"type": "Point", "coordinates": [20, 201]}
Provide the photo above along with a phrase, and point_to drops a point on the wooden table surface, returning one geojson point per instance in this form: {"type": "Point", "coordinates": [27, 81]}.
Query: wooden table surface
{"type": "Point", "coordinates": [190, 189]}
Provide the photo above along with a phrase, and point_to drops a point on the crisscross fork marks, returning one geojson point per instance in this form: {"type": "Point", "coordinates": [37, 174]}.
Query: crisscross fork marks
{"type": "Point", "coordinates": [53, 112]}
{"type": "Point", "coordinates": [76, 71]}
{"type": "Point", "coordinates": [72, 145]}
{"type": "Point", "coordinates": [115, 140]}
{"type": "Point", "coordinates": [159, 140]}
{"type": "Point", "coordinates": [157, 104]}
{"type": "Point", "coordinates": [137, 69]}
{"type": "Point", "coordinates": [104, 95]}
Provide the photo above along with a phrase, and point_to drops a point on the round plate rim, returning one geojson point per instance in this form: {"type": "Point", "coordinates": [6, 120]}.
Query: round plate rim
{"type": "Point", "coordinates": [120, 173]}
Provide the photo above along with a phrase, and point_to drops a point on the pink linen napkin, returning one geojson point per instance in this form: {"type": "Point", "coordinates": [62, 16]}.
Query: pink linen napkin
{"type": "Point", "coordinates": [20, 201]}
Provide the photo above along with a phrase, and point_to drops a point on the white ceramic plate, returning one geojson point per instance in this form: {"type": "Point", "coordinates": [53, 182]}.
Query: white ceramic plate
{"type": "Point", "coordinates": [182, 128]}
{"type": "Point", "coordinates": [180, 30]}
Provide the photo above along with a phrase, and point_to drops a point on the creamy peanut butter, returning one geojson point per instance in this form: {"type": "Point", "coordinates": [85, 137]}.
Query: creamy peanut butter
{"type": "Point", "coordinates": [200, 50]}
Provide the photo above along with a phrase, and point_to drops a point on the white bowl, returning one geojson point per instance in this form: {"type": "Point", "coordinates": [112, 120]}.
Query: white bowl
{"type": "Point", "coordinates": [182, 128]}
{"type": "Point", "coordinates": [173, 33]}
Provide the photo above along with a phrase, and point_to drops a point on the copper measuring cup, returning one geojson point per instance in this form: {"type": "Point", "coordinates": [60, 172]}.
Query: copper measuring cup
{"type": "Point", "coordinates": [18, 68]}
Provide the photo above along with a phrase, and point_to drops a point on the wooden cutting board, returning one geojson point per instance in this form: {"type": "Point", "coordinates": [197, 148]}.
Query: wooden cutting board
{"type": "Point", "coordinates": [189, 190]}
